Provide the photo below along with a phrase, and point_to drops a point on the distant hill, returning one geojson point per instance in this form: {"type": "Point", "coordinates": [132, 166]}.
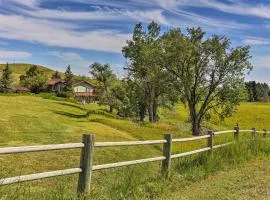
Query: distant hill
{"type": "Point", "coordinates": [20, 68]}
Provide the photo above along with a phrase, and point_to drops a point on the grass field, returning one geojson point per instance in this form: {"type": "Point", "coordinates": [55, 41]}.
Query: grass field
{"type": "Point", "coordinates": [30, 120]}
{"type": "Point", "coordinates": [20, 68]}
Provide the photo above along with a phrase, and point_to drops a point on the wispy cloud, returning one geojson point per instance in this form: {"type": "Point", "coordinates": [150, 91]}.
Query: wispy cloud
{"type": "Point", "coordinates": [234, 7]}
{"type": "Point", "coordinates": [14, 55]}
{"type": "Point", "coordinates": [256, 41]}
{"type": "Point", "coordinates": [261, 62]}
{"type": "Point", "coordinates": [60, 34]}
{"type": "Point", "coordinates": [71, 58]}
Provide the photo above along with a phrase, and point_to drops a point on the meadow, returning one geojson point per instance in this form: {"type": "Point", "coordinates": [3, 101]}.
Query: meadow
{"type": "Point", "coordinates": [34, 120]}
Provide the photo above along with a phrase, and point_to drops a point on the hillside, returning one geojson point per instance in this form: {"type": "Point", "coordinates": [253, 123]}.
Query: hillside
{"type": "Point", "coordinates": [20, 68]}
{"type": "Point", "coordinates": [31, 120]}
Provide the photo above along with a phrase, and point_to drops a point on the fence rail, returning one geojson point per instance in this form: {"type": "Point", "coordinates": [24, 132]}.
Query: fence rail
{"type": "Point", "coordinates": [87, 148]}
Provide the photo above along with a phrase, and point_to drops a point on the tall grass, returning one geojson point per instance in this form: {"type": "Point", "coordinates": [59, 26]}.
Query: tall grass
{"type": "Point", "coordinates": [144, 181]}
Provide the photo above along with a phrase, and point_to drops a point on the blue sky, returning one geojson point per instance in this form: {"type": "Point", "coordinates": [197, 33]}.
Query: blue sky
{"type": "Point", "coordinates": [78, 32]}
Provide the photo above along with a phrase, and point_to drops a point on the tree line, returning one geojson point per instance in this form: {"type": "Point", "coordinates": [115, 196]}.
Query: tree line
{"type": "Point", "coordinates": [36, 80]}
{"type": "Point", "coordinates": [257, 91]}
{"type": "Point", "coordinates": [205, 74]}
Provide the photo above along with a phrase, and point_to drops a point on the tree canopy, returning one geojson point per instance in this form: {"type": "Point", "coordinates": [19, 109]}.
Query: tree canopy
{"type": "Point", "coordinates": [34, 78]}
{"type": "Point", "coordinates": [209, 73]}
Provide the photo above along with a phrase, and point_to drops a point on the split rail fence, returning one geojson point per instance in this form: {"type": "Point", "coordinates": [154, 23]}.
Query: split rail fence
{"type": "Point", "coordinates": [87, 153]}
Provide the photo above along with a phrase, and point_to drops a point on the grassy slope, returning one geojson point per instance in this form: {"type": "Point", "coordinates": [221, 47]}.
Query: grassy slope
{"type": "Point", "coordinates": [20, 68]}
{"type": "Point", "coordinates": [28, 120]}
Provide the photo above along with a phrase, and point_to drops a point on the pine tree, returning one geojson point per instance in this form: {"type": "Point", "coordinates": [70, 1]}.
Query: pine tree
{"type": "Point", "coordinates": [68, 79]}
{"type": "Point", "coordinates": [6, 80]}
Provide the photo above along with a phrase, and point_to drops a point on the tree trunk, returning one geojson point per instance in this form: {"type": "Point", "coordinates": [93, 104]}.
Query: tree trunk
{"type": "Point", "coordinates": [151, 112]}
{"type": "Point", "coordinates": [155, 115]}
{"type": "Point", "coordinates": [111, 108]}
{"type": "Point", "coordinates": [142, 109]}
{"type": "Point", "coordinates": [195, 127]}
{"type": "Point", "coordinates": [195, 120]}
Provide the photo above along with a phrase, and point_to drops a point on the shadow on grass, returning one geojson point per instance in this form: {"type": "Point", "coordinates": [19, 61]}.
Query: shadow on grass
{"type": "Point", "coordinates": [71, 105]}
{"type": "Point", "coordinates": [71, 115]}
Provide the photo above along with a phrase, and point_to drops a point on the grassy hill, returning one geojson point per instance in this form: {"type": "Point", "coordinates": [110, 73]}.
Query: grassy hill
{"type": "Point", "coordinates": [32, 120]}
{"type": "Point", "coordinates": [20, 68]}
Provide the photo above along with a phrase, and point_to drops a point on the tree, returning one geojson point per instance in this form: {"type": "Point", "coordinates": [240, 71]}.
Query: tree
{"type": "Point", "coordinates": [68, 80]}
{"type": "Point", "coordinates": [6, 81]}
{"type": "Point", "coordinates": [56, 75]}
{"type": "Point", "coordinates": [209, 73]}
{"type": "Point", "coordinates": [105, 77]}
{"type": "Point", "coordinates": [34, 79]}
{"type": "Point", "coordinates": [257, 91]}
{"type": "Point", "coordinates": [145, 70]}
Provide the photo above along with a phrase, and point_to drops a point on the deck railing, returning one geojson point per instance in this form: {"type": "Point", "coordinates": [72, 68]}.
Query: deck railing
{"type": "Point", "coordinates": [87, 153]}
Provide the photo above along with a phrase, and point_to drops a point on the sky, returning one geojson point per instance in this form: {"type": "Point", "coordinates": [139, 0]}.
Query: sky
{"type": "Point", "coordinates": [57, 33]}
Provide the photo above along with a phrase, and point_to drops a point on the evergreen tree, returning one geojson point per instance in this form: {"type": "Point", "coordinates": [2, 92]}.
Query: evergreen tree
{"type": "Point", "coordinates": [6, 80]}
{"type": "Point", "coordinates": [68, 79]}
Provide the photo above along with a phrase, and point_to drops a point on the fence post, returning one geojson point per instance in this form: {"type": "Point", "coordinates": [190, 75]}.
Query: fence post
{"type": "Point", "coordinates": [86, 165]}
{"type": "Point", "coordinates": [253, 133]}
{"type": "Point", "coordinates": [167, 149]}
{"type": "Point", "coordinates": [211, 141]}
{"type": "Point", "coordinates": [265, 133]}
{"type": "Point", "coordinates": [236, 134]}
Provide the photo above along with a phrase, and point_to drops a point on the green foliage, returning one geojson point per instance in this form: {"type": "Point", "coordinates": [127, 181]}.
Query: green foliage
{"type": "Point", "coordinates": [257, 91]}
{"type": "Point", "coordinates": [6, 80]}
{"type": "Point", "coordinates": [56, 75]}
{"type": "Point", "coordinates": [68, 80]}
{"type": "Point", "coordinates": [34, 79]}
{"type": "Point", "coordinates": [106, 84]}
{"type": "Point", "coordinates": [209, 74]}
{"type": "Point", "coordinates": [145, 70]}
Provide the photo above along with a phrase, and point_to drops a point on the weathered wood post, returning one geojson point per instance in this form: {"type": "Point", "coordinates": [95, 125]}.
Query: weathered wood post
{"type": "Point", "coordinates": [253, 133]}
{"type": "Point", "coordinates": [167, 150]}
{"type": "Point", "coordinates": [265, 134]}
{"type": "Point", "coordinates": [86, 162]}
{"type": "Point", "coordinates": [236, 133]}
{"type": "Point", "coordinates": [211, 141]}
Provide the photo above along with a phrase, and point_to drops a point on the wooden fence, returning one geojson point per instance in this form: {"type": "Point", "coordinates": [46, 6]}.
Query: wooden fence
{"type": "Point", "coordinates": [87, 153]}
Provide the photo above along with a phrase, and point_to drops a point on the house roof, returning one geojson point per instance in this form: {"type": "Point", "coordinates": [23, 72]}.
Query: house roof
{"type": "Point", "coordinates": [22, 88]}
{"type": "Point", "coordinates": [55, 81]}
{"type": "Point", "coordinates": [83, 81]}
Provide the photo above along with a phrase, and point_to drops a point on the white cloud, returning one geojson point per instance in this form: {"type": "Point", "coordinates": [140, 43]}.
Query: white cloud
{"type": "Point", "coordinates": [256, 41]}
{"type": "Point", "coordinates": [261, 62]}
{"type": "Point", "coordinates": [71, 58]}
{"type": "Point", "coordinates": [60, 34]}
{"type": "Point", "coordinates": [14, 55]}
{"type": "Point", "coordinates": [235, 7]}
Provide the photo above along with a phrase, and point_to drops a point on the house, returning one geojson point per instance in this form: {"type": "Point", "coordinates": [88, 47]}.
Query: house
{"type": "Point", "coordinates": [56, 85]}
{"type": "Point", "coordinates": [84, 92]}
{"type": "Point", "coordinates": [22, 89]}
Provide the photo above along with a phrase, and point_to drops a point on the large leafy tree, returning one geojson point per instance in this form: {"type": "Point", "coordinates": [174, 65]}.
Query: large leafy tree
{"type": "Point", "coordinates": [6, 81]}
{"type": "Point", "coordinates": [34, 79]}
{"type": "Point", "coordinates": [209, 73]}
{"type": "Point", "coordinates": [105, 78]}
{"type": "Point", "coordinates": [145, 69]}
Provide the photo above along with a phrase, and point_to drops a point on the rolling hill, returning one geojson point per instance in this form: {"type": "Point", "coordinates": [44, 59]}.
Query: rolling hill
{"type": "Point", "coordinates": [20, 68]}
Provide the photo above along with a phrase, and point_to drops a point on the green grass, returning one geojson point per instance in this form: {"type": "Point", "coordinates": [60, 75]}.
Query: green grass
{"type": "Point", "coordinates": [34, 120]}
{"type": "Point", "coordinates": [20, 68]}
